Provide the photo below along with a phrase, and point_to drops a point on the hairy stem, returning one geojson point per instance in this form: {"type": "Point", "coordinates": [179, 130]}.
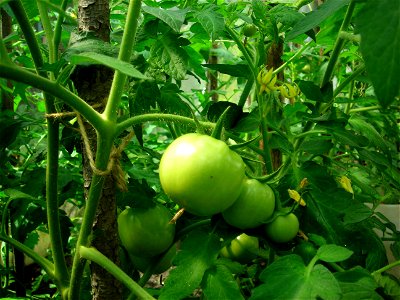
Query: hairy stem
{"type": "Point", "coordinates": [128, 41]}
{"type": "Point", "coordinates": [97, 257]}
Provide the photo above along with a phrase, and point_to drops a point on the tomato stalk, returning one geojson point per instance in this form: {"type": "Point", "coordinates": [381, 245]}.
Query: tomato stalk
{"type": "Point", "coordinates": [128, 41]}
{"type": "Point", "coordinates": [94, 255]}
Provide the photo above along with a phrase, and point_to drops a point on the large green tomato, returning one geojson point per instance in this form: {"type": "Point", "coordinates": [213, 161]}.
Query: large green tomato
{"type": "Point", "coordinates": [142, 263]}
{"type": "Point", "coordinates": [283, 229]}
{"type": "Point", "coordinates": [146, 232]}
{"type": "Point", "coordinates": [256, 203]}
{"type": "Point", "coordinates": [201, 174]}
{"type": "Point", "coordinates": [243, 249]}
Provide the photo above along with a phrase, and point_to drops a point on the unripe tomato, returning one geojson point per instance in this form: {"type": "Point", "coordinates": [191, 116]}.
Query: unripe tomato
{"type": "Point", "coordinates": [249, 30]}
{"type": "Point", "coordinates": [243, 249]}
{"type": "Point", "coordinates": [142, 263]}
{"type": "Point", "coordinates": [256, 203]}
{"type": "Point", "coordinates": [201, 174]}
{"type": "Point", "coordinates": [283, 229]}
{"type": "Point", "coordinates": [146, 231]}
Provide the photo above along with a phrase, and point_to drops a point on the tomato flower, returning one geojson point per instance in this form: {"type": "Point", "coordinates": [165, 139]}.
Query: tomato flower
{"type": "Point", "coordinates": [288, 90]}
{"type": "Point", "coordinates": [293, 194]}
{"type": "Point", "coordinates": [267, 81]}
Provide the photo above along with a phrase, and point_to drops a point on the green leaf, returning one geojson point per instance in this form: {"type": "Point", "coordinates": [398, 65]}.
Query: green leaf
{"type": "Point", "coordinates": [379, 26]}
{"type": "Point", "coordinates": [212, 21]}
{"type": "Point", "coordinates": [218, 283]}
{"type": "Point", "coordinates": [174, 18]}
{"type": "Point", "coordinates": [390, 286]}
{"type": "Point", "coordinates": [287, 278]}
{"type": "Point", "coordinates": [365, 128]}
{"type": "Point", "coordinates": [171, 102]}
{"type": "Point", "coordinates": [16, 194]}
{"type": "Point", "coordinates": [357, 283]}
{"type": "Point", "coordinates": [198, 253]}
{"type": "Point", "coordinates": [310, 90]}
{"type": "Point", "coordinates": [314, 18]}
{"type": "Point", "coordinates": [333, 253]}
{"type": "Point", "coordinates": [239, 70]}
{"type": "Point", "coordinates": [167, 56]}
{"type": "Point", "coordinates": [92, 58]}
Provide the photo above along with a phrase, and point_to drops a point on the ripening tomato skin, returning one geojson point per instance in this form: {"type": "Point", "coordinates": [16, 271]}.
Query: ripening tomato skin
{"type": "Point", "coordinates": [243, 249]}
{"type": "Point", "coordinates": [146, 231]}
{"type": "Point", "coordinates": [201, 174]}
{"type": "Point", "coordinates": [283, 229]}
{"type": "Point", "coordinates": [142, 263]}
{"type": "Point", "coordinates": [256, 203]}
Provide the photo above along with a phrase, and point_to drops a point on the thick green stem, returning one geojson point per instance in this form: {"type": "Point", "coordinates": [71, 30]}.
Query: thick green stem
{"type": "Point", "coordinates": [246, 92]}
{"type": "Point", "coordinates": [294, 57]}
{"type": "Point", "coordinates": [244, 50]}
{"type": "Point", "coordinates": [337, 48]}
{"type": "Point", "coordinates": [386, 268]}
{"type": "Point", "coordinates": [45, 264]}
{"type": "Point", "coordinates": [53, 88]}
{"type": "Point", "coordinates": [158, 117]}
{"type": "Point", "coordinates": [331, 65]}
{"type": "Point", "coordinates": [53, 219]}
{"type": "Point", "coordinates": [104, 146]}
{"type": "Point", "coordinates": [128, 41]}
{"type": "Point", "coordinates": [23, 21]}
{"type": "Point", "coordinates": [44, 16]}
{"type": "Point", "coordinates": [97, 257]}
{"type": "Point", "coordinates": [4, 53]}
{"type": "Point", "coordinates": [58, 27]}
{"type": "Point", "coordinates": [262, 106]}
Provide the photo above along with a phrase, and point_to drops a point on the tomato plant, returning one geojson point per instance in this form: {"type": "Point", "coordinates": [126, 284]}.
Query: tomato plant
{"type": "Point", "coordinates": [256, 203]}
{"type": "Point", "coordinates": [201, 174]}
{"type": "Point", "coordinates": [146, 231]}
{"type": "Point", "coordinates": [283, 228]}
{"type": "Point", "coordinates": [294, 98]}
{"type": "Point", "coordinates": [243, 248]}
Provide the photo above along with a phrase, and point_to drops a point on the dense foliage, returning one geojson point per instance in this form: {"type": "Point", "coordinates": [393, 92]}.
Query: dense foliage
{"type": "Point", "coordinates": [300, 99]}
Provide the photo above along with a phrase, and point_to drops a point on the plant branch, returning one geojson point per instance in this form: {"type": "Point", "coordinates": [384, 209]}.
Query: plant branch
{"type": "Point", "coordinates": [94, 255]}
{"type": "Point", "coordinates": [158, 117]}
{"type": "Point", "coordinates": [128, 41]}
{"type": "Point", "coordinates": [30, 37]}
{"type": "Point", "coordinates": [243, 49]}
{"type": "Point", "coordinates": [44, 263]}
{"type": "Point", "coordinates": [104, 146]}
{"type": "Point", "coordinates": [387, 267]}
{"type": "Point", "coordinates": [337, 48]}
{"type": "Point", "coordinates": [18, 74]}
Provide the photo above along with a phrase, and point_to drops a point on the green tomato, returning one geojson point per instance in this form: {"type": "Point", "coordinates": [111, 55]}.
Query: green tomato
{"type": "Point", "coordinates": [283, 229]}
{"type": "Point", "coordinates": [146, 231]}
{"type": "Point", "coordinates": [201, 174]}
{"type": "Point", "coordinates": [243, 249]}
{"type": "Point", "coordinates": [142, 263]}
{"type": "Point", "coordinates": [256, 203]}
{"type": "Point", "coordinates": [249, 30]}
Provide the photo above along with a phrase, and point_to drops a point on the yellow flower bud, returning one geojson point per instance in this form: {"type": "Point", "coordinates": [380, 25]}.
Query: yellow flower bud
{"type": "Point", "coordinates": [296, 197]}
{"type": "Point", "coordinates": [267, 80]}
{"type": "Point", "coordinates": [289, 91]}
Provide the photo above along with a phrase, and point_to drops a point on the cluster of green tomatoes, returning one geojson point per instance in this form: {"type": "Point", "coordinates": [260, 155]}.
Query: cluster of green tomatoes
{"type": "Point", "coordinates": [205, 177]}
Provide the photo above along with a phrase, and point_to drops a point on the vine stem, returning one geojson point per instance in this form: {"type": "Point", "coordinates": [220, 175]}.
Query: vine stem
{"type": "Point", "coordinates": [387, 267]}
{"type": "Point", "coordinates": [15, 73]}
{"type": "Point", "coordinates": [128, 41]}
{"type": "Point", "coordinates": [104, 146]}
{"type": "Point", "coordinates": [97, 257]}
